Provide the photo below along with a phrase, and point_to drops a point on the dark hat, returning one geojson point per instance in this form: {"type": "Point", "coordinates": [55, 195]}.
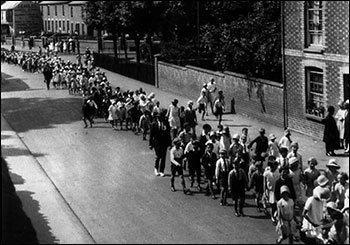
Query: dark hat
{"type": "Point", "coordinates": [175, 101]}
{"type": "Point", "coordinates": [261, 130]}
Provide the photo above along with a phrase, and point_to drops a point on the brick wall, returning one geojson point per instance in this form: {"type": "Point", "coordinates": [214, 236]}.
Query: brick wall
{"type": "Point", "coordinates": [334, 61]}
{"type": "Point", "coordinates": [258, 98]}
{"type": "Point", "coordinates": [337, 27]}
{"type": "Point", "coordinates": [293, 28]}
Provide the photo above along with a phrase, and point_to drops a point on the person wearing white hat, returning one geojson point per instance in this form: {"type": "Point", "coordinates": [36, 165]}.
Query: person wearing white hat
{"type": "Point", "coordinates": [297, 179]}
{"type": "Point", "coordinates": [286, 141]}
{"type": "Point", "coordinates": [202, 103]}
{"type": "Point", "coordinates": [235, 150]}
{"type": "Point", "coordinates": [313, 213]}
{"type": "Point", "coordinates": [211, 86]}
{"type": "Point", "coordinates": [286, 220]}
{"type": "Point", "coordinates": [221, 175]}
{"type": "Point", "coordinates": [295, 153]}
{"type": "Point", "coordinates": [273, 147]}
{"type": "Point", "coordinates": [340, 119]}
{"type": "Point", "coordinates": [332, 173]}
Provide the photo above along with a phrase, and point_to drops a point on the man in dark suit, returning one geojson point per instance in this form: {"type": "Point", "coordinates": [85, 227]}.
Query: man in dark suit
{"type": "Point", "coordinates": [160, 140]}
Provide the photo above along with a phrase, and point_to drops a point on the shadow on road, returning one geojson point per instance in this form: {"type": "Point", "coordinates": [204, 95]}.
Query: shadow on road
{"type": "Point", "coordinates": [17, 228]}
{"type": "Point", "coordinates": [11, 84]}
{"type": "Point", "coordinates": [40, 113]}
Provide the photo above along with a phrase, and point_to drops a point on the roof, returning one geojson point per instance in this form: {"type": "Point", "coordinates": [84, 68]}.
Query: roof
{"type": "Point", "coordinates": [53, 2]}
{"type": "Point", "coordinates": [77, 2]}
{"type": "Point", "coordinates": [10, 5]}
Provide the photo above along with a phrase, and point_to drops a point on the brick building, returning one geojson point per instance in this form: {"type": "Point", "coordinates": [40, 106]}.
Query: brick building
{"type": "Point", "coordinates": [317, 61]}
{"type": "Point", "coordinates": [64, 17]}
{"type": "Point", "coordinates": [23, 17]}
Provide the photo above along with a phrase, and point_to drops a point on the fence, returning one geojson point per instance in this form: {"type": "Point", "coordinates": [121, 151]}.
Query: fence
{"type": "Point", "coordinates": [142, 71]}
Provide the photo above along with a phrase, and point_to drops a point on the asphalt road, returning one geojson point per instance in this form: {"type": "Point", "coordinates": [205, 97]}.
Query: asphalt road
{"type": "Point", "coordinates": [107, 179]}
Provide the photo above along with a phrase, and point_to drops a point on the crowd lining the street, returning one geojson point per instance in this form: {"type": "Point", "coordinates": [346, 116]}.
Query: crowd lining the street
{"type": "Point", "coordinates": [303, 202]}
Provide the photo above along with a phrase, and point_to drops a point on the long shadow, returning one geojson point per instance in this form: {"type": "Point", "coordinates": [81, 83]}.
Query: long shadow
{"type": "Point", "coordinates": [17, 228]}
{"type": "Point", "coordinates": [11, 84]}
{"type": "Point", "coordinates": [40, 113]}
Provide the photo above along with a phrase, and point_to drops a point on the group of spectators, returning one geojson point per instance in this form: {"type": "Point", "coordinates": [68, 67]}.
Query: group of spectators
{"type": "Point", "coordinates": [303, 202]}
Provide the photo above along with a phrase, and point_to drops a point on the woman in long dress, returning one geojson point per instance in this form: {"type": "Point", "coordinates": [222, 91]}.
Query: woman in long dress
{"type": "Point", "coordinates": [173, 116]}
{"type": "Point", "coordinates": [340, 119]}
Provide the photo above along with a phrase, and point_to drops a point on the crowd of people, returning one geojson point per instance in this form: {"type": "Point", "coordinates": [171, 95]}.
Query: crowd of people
{"type": "Point", "coordinates": [302, 202]}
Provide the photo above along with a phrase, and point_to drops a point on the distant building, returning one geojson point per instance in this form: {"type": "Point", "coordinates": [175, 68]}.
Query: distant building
{"type": "Point", "coordinates": [317, 61]}
{"type": "Point", "coordinates": [23, 17]}
{"type": "Point", "coordinates": [65, 17]}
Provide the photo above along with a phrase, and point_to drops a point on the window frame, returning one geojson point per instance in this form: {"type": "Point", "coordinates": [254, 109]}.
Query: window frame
{"type": "Point", "coordinates": [318, 19]}
{"type": "Point", "coordinates": [71, 12]}
{"type": "Point", "coordinates": [48, 10]}
{"type": "Point", "coordinates": [318, 111]}
{"type": "Point", "coordinates": [55, 10]}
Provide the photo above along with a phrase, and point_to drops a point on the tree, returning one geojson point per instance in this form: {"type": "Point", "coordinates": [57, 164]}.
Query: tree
{"type": "Point", "coordinates": [93, 17]}
{"type": "Point", "coordinates": [249, 43]}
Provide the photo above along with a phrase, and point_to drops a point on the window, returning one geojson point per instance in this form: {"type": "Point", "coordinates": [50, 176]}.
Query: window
{"type": "Point", "coordinates": [82, 29]}
{"type": "Point", "coordinates": [67, 25]}
{"type": "Point", "coordinates": [71, 11]}
{"type": "Point", "coordinates": [55, 10]}
{"type": "Point", "coordinates": [77, 28]}
{"type": "Point", "coordinates": [59, 25]}
{"type": "Point", "coordinates": [314, 92]}
{"type": "Point", "coordinates": [63, 25]}
{"type": "Point", "coordinates": [62, 10]}
{"type": "Point", "coordinates": [52, 24]}
{"type": "Point", "coordinates": [48, 10]}
{"type": "Point", "coordinates": [72, 28]}
{"type": "Point", "coordinates": [56, 25]}
{"type": "Point", "coordinates": [314, 25]}
{"type": "Point", "coordinates": [45, 25]}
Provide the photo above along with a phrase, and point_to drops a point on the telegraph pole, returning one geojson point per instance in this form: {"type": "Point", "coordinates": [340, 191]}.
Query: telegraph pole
{"type": "Point", "coordinates": [285, 104]}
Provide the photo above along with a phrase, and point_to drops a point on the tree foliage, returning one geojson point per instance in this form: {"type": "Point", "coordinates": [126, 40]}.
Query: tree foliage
{"type": "Point", "coordinates": [240, 36]}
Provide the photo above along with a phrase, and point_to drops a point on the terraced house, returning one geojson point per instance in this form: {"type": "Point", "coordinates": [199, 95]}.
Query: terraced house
{"type": "Point", "coordinates": [64, 17]}
{"type": "Point", "coordinates": [317, 61]}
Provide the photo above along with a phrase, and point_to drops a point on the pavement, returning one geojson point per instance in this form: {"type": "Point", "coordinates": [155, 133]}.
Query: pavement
{"type": "Point", "coordinates": [55, 218]}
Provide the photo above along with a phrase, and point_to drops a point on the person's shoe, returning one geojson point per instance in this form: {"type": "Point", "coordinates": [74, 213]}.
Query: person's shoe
{"type": "Point", "coordinates": [85, 126]}
{"type": "Point", "coordinates": [156, 172]}
{"type": "Point", "coordinates": [213, 197]}
{"type": "Point", "coordinates": [279, 240]}
{"type": "Point", "coordinates": [207, 194]}
{"type": "Point", "coordinates": [173, 189]}
{"type": "Point", "coordinates": [186, 191]}
{"type": "Point", "coordinates": [328, 154]}
{"type": "Point", "coordinates": [242, 214]}
{"type": "Point", "coordinates": [333, 154]}
{"type": "Point", "coordinates": [237, 214]}
{"type": "Point", "coordinates": [199, 188]}
{"type": "Point", "coordinates": [161, 174]}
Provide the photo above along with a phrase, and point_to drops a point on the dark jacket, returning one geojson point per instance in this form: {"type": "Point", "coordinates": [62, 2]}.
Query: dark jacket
{"type": "Point", "coordinates": [158, 137]}
{"type": "Point", "coordinates": [331, 133]}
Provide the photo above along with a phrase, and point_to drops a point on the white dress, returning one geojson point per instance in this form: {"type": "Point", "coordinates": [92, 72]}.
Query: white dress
{"type": "Point", "coordinates": [340, 118]}
{"type": "Point", "coordinates": [174, 118]}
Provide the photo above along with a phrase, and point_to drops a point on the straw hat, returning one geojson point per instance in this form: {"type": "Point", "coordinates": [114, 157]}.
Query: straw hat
{"type": "Point", "coordinates": [322, 180]}
{"type": "Point", "coordinates": [272, 136]}
{"type": "Point", "coordinates": [283, 189]}
{"type": "Point", "coordinates": [332, 163]}
{"type": "Point", "coordinates": [235, 137]}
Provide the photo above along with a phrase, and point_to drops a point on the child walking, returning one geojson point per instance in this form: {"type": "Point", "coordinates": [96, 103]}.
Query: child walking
{"type": "Point", "coordinates": [286, 224]}
{"type": "Point", "coordinates": [145, 122]}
